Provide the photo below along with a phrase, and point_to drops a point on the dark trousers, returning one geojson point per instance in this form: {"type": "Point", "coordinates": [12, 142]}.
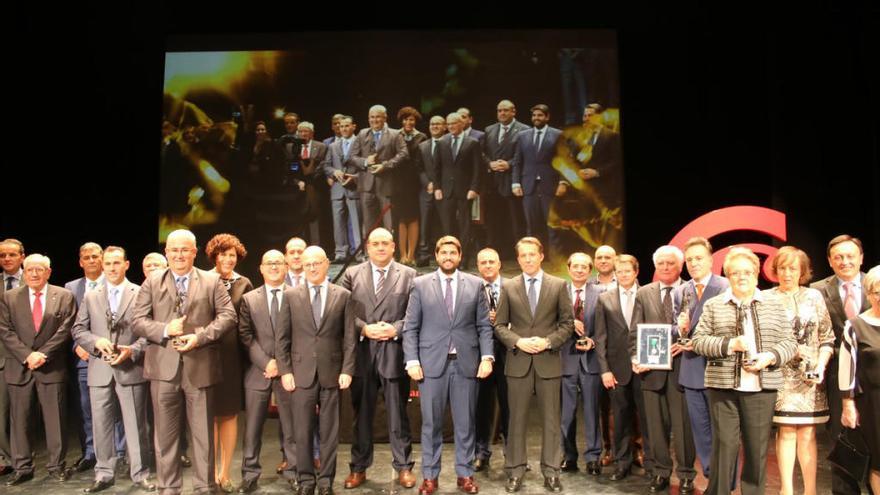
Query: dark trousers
{"type": "Point", "coordinates": [174, 400]}
{"type": "Point", "coordinates": [492, 404]}
{"type": "Point", "coordinates": [589, 385]}
{"type": "Point", "coordinates": [428, 216]}
{"type": "Point", "coordinates": [304, 402]}
{"type": "Point", "coordinates": [364, 395]}
{"type": "Point", "coordinates": [519, 394]}
{"type": "Point", "coordinates": [87, 440]}
{"type": "Point", "coordinates": [744, 417]}
{"type": "Point", "coordinates": [455, 215]}
{"type": "Point", "coordinates": [51, 398]}
{"type": "Point", "coordinates": [841, 483]}
{"type": "Point", "coordinates": [666, 411]}
{"type": "Point", "coordinates": [626, 400]}
{"type": "Point", "coordinates": [5, 455]}
{"type": "Point", "coordinates": [537, 209]}
{"type": "Point", "coordinates": [371, 206]}
{"type": "Point", "coordinates": [505, 221]}
{"type": "Point", "coordinates": [701, 425]}
{"type": "Point", "coordinates": [256, 410]}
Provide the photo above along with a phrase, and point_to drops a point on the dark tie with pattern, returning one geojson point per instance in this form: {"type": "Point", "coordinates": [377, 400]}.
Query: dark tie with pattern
{"type": "Point", "coordinates": [381, 282]}
{"type": "Point", "coordinates": [667, 304]}
{"type": "Point", "coordinates": [316, 306]}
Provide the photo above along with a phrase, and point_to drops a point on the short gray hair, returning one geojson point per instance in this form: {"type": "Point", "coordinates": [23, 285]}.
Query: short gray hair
{"type": "Point", "coordinates": [872, 279]}
{"type": "Point", "coordinates": [181, 234]}
{"type": "Point", "coordinates": [37, 259]}
{"type": "Point", "coordinates": [307, 125]}
{"type": "Point", "coordinates": [380, 109]}
{"type": "Point", "coordinates": [453, 116]}
{"type": "Point", "coordinates": [667, 250]}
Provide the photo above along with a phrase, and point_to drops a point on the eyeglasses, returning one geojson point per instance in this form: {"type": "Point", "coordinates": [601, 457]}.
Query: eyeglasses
{"type": "Point", "coordinates": [275, 264]}
{"type": "Point", "coordinates": [741, 274]}
{"type": "Point", "coordinates": [317, 264]}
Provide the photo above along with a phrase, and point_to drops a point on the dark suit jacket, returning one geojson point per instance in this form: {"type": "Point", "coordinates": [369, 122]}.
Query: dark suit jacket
{"type": "Point", "coordinates": [648, 308]}
{"type": "Point", "coordinates": [426, 161]}
{"type": "Point", "coordinates": [209, 315]}
{"type": "Point", "coordinates": [321, 353]}
{"type": "Point", "coordinates": [92, 323]}
{"type": "Point", "coordinates": [477, 135]}
{"type": "Point", "coordinates": [693, 366]}
{"type": "Point", "coordinates": [606, 152]}
{"type": "Point", "coordinates": [456, 176]}
{"type": "Point", "coordinates": [257, 335]}
{"type": "Point", "coordinates": [612, 337]}
{"type": "Point", "coordinates": [2, 348]}
{"type": "Point", "coordinates": [428, 332]}
{"type": "Point", "coordinates": [20, 338]}
{"type": "Point", "coordinates": [830, 291]}
{"type": "Point", "coordinates": [388, 306]}
{"type": "Point", "coordinates": [529, 163]}
{"type": "Point", "coordinates": [493, 150]}
{"type": "Point", "coordinates": [553, 320]}
{"type": "Point", "coordinates": [391, 151]}
{"type": "Point", "coordinates": [573, 359]}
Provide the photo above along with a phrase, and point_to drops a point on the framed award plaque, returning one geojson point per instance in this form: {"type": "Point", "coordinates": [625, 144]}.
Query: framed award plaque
{"type": "Point", "coordinates": [653, 346]}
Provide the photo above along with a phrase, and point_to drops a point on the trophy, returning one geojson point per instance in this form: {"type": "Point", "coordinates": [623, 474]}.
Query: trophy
{"type": "Point", "coordinates": [114, 336]}
{"type": "Point", "coordinates": [176, 341]}
{"type": "Point", "coordinates": [685, 310]}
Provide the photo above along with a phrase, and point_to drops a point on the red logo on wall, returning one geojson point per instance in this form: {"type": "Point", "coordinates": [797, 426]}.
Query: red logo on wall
{"type": "Point", "coordinates": [731, 219]}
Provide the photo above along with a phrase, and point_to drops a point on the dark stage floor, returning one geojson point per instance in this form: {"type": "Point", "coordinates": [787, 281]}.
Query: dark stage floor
{"type": "Point", "coordinates": [379, 476]}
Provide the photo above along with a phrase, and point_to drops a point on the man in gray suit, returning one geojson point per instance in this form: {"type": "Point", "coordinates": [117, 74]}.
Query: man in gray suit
{"type": "Point", "coordinates": [381, 288]}
{"type": "Point", "coordinates": [378, 149]}
{"type": "Point", "coordinates": [183, 312]}
{"type": "Point", "coordinates": [115, 373]}
{"type": "Point", "coordinates": [257, 325]}
{"type": "Point", "coordinates": [11, 258]}
{"type": "Point", "coordinates": [447, 344]}
{"type": "Point", "coordinates": [35, 321]}
{"type": "Point", "coordinates": [317, 319]}
{"type": "Point", "coordinates": [534, 320]}
{"type": "Point", "coordinates": [344, 199]}
{"type": "Point", "coordinates": [845, 298]}
{"type": "Point", "coordinates": [665, 405]}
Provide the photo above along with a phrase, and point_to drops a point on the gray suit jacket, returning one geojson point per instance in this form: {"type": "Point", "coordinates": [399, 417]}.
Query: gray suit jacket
{"type": "Point", "coordinates": [388, 306]}
{"type": "Point", "coordinates": [209, 314]}
{"type": "Point", "coordinates": [257, 335]}
{"type": "Point", "coordinates": [648, 308]}
{"type": "Point", "coordinates": [20, 338]}
{"type": "Point", "coordinates": [429, 334]}
{"type": "Point", "coordinates": [391, 151]}
{"type": "Point", "coordinates": [553, 320]}
{"type": "Point", "coordinates": [92, 323]}
{"type": "Point", "coordinates": [335, 160]}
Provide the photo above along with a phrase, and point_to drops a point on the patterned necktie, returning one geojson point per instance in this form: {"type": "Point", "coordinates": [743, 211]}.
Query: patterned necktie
{"type": "Point", "coordinates": [667, 304]}
{"type": "Point", "coordinates": [114, 300]}
{"type": "Point", "coordinates": [381, 282]}
{"type": "Point", "coordinates": [447, 298]}
{"type": "Point", "coordinates": [316, 306]}
{"type": "Point", "coordinates": [849, 301]}
{"type": "Point", "coordinates": [700, 288]}
{"type": "Point", "coordinates": [37, 312]}
{"type": "Point", "coordinates": [578, 305]}
{"type": "Point", "coordinates": [181, 295]}
{"type": "Point", "coordinates": [503, 134]}
{"type": "Point", "coordinates": [533, 295]}
{"type": "Point", "coordinates": [305, 152]}
{"type": "Point", "coordinates": [273, 311]}
{"type": "Point", "coordinates": [491, 294]}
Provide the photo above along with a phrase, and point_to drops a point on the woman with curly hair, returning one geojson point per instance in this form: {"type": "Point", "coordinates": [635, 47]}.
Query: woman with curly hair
{"type": "Point", "coordinates": [225, 251]}
{"type": "Point", "coordinates": [406, 204]}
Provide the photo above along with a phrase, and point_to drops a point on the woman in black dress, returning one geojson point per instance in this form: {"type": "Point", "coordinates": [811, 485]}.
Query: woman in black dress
{"type": "Point", "coordinates": [406, 187]}
{"type": "Point", "coordinates": [225, 251]}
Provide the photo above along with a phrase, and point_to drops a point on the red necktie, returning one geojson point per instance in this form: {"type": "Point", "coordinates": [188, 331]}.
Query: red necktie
{"type": "Point", "coordinates": [577, 305]}
{"type": "Point", "coordinates": [38, 311]}
{"type": "Point", "coordinates": [305, 152]}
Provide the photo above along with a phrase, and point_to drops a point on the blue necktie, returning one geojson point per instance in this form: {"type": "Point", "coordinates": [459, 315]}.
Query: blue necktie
{"type": "Point", "coordinates": [114, 300]}
{"type": "Point", "coordinates": [345, 146]}
{"type": "Point", "coordinates": [376, 136]}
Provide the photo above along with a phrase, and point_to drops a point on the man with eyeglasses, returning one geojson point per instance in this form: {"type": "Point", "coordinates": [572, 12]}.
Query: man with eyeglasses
{"type": "Point", "coordinates": [845, 299]}
{"type": "Point", "coordinates": [183, 312]}
{"type": "Point", "coordinates": [257, 328]}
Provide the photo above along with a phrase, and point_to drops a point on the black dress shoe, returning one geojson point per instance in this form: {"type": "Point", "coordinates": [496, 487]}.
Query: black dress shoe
{"type": "Point", "coordinates": [619, 474]}
{"type": "Point", "coordinates": [513, 484]}
{"type": "Point", "coordinates": [84, 464]}
{"type": "Point", "coordinates": [481, 465]}
{"type": "Point", "coordinates": [325, 490]}
{"type": "Point", "coordinates": [553, 484]}
{"type": "Point", "coordinates": [19, 478]}
{"type": "Point", "coordinates": [594, 468]}
{"type": "Point", "coordinates": [98, 486]}
{"type": "Point", "coordinates": [569, 466]}
{"type": "Point", "coordinates": [145, 485]}
{"type": "Point", "coordinates": [686, 486]}
{"type": "Point", "coordinates": [4, 470]}
{"type": "Point", "coordinates": [658, 484]}
{"type": "Point", "coordinates": [185, 461]}
{"type": "Point", "coordinates": [247, 486]}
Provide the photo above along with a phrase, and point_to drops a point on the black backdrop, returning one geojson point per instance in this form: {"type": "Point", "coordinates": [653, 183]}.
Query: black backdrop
{"type": "Point", "coordinates": [718, 109]}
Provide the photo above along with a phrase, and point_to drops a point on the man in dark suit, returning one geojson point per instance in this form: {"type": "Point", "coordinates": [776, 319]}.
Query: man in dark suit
{"type": "Point", "coordinates": [534, 178]}
{"type": "Point", "coordinates": [183, 312]}
{"type": "Point", "coordinates": [469, 131]}
{"type": "Point", "coordinates": [688, 305]}
{"type": "Point", "coordinates": [505, 222]}
{"type": "Point", "coordinates": [381, 288]}
{"type": "Point", "coordinates": [11, 258]}
{"type": "Point", "coordinates": [35, 321]}
{"type": "Point", "coordinates": [580, 369]}
{"type": "Point", "coordinates": [665, 406]}
{"type": "Point", "coordinates": [344, 199]}
{"type": "Point", "coordinates": [447, 344]}
{"type": "Point", "coordinates": [492, 395]}
{"type": "Point", "coordinates": [115, 373]}
{"type": "Point", "coordinates": [90, 255]}
{"type": "Point", "coordinates": [534, 320]}
{"type": "Point", "coordinates": [613, 317]}
{"type": "Point", "coordinates": [456, 180]}
{"type": "Point", "coordinates": [378, 149]}
{"type": "Point", "coordinates": [312, 156]}
{"type": "Point", "coordinates": [845, 299]}
{"type": "Point", "coordinates": [428, 159]}
{"type": "Point", "coordinates": [258, 323]}
{"type": "Point", "coordinates": [316, 358]}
